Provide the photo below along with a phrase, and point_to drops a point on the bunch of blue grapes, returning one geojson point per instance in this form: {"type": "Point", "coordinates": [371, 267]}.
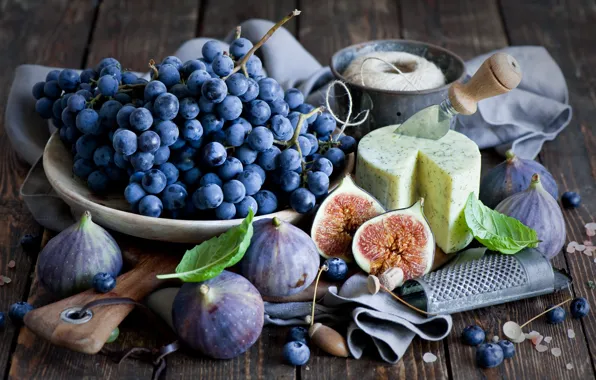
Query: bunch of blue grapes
{"type": "Point", "coordinates": [201, 140]}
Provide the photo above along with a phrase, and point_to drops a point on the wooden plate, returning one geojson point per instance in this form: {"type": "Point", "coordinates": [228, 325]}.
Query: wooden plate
{"type": "Point", "coordinates": [111, 211]}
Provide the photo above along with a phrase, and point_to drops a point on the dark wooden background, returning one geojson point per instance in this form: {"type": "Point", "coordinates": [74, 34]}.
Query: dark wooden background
{"type": "Point", "coordinates": [77, 33]}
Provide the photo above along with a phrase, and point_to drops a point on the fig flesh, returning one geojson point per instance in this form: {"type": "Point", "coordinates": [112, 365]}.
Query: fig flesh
{"type": "Point", "coordinates": [398, 242]}
{"type": "Point", "coordinates": [511, 177]}
{"type": "Point", "coordinates": [221, 317]}
{"type": "Point", "coordinates": [339, 216]}
{"type": "Point", "coordinates": [282, 260]}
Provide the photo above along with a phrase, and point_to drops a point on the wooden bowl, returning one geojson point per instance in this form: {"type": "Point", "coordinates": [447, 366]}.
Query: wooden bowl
{"type": "Point", "coordinates": [111, 210]}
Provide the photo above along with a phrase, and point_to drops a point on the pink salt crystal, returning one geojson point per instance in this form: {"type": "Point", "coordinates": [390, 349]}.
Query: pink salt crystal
{"type": "Point", "coordinates": [548, 339]}
{"type": "Point", "coordinates": [7, 280]}
{"type": "Point", "coordinates": [590, 232]}
{"type": "Point", "coordinates": [571, 333]}
{"type": "Point", "coordinates": [587, 252]}
{"type": "Point", "coordinates": [429, 358]}
{"type": "Point", "coordinates": [495, 339]}
{"type": "Point", "coordinates": [11, 264]}
{"type": "Point", "coordinates": [541, 348]}
{"type": "Point", "coordinates": [571, 247]}
{"type": "Point", "coordinates": [537, 340]}
{"type": "Point", "coordinates": [556, 351]}
{"type": "Point", "coordinates": [532, 334]}
{"type": "Point", "coordinates": [580, 247]}
{"type": "Point", "coordinates": [591, 226]}
{"type": "Point", "coordinates": [569, 366]}
{"type": "Point", "coordinates": [587, 243]}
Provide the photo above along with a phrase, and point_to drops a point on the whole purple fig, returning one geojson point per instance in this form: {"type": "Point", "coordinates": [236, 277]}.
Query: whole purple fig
{"type": "Point", "coordinates": [282, 259]}
{"type": "Point", "coordinates": [69, 261]}
{"type": "Point", "coordinates": [221, 317]}
{"type": "Point", "coordinates": [512, 176]}
{"type": "Point", "coordinates": [537, 209]}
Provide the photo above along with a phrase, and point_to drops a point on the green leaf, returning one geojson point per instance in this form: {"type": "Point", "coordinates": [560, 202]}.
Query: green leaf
{"type": "Point", "coordinates": [211, 257]}
{"type": "Point", "coordinates": [496, 231]}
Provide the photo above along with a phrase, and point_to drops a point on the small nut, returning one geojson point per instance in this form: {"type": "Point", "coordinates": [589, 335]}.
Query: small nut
{"type": "Point", "coordinates": [328, 340]}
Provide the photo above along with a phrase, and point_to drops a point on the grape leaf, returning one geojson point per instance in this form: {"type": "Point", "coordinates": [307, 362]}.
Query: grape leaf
{"type": "Point", "coordinates": [496, 231]}
{"type": "Point", "coordinates": [211, 257]}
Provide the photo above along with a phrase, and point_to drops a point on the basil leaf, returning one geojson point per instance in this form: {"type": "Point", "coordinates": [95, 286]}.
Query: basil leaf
{"type": "Point", "coordinates": [211, 257]}
{"type": "Point", "coordinates": [496, 231]}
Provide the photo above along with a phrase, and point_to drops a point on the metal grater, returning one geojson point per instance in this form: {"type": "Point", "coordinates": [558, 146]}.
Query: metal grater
{"type": "Point", "coordinates": [491, 280]}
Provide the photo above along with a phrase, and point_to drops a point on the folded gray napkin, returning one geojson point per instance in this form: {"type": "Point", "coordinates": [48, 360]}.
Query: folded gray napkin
{"type": "Point", "coordinates": [523, 119]}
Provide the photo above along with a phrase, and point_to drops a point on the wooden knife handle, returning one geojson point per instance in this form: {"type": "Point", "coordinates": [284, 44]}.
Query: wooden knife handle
{"type": "Point", "coordinates": [89, 337]}
{"type": "Point", "coordinates": [498, 74]}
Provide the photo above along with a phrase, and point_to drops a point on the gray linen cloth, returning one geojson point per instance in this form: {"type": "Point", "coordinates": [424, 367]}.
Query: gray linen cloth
{"type": "Point", "coordinates": [523, 119]}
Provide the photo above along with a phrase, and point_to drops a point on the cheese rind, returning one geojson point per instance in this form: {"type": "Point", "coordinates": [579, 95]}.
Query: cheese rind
{"type": "Point", "coordinates": [398, 169]}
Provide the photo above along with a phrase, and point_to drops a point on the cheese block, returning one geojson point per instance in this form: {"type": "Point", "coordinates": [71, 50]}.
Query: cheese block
{"type": "Point", "coordinates": [398, 169]}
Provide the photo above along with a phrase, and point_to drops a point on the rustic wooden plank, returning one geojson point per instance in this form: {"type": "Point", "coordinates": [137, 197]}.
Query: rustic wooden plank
{"type": "Point", "coordinates": [29, 34]}
{"type": "Point", "coordinates": [565, 28]}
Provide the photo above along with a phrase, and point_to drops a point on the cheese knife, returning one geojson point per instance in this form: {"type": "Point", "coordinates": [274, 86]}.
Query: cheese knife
{"type": "Point", "coordinates": [499, 74]}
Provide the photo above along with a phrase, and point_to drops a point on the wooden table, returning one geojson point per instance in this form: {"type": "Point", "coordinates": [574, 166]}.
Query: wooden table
{"type": "Point", "coordinates": [77, 33]}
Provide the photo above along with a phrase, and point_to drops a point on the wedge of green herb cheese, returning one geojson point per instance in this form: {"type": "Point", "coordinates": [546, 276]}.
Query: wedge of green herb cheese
{"type": "Point", "coordinates": [398, 169]}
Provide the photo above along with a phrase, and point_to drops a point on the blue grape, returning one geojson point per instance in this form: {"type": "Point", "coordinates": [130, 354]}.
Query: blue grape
{"type": "Point", "coordinates": [72, 134]}
{"type": "Point", "coordinates": [174, 197]}
{"type": "Point", "coordinates": [76, 103]}
{"type": "Point", "coordinates": [140, 119]}
{"type": "Point", "coordinates": [69, 80]}
{"type": "Point", "coordinates": [108, 114]}
{"type": "Point", "coordinates": [237, 84]}
{"type": "Point", "coordinates": [170, 171]}
{"type": "Point", "coordinates": [166, 106]}
{"type": "Point", "coordinates": [279, 107]}
{"type": "Point", "coordinates": [235, 135]}
{"type": "Point", "coordinates": [268, 158]}
{"type": "Point", "coordinates": [288, 159]}
{"type": "Point", "coordinates": [305, 145]}
{"type": "Point", "coordinates": [293, 117]}
{"type": "Point", "coordinates": [44, 107]}
{"type": "Point", "coordinates": [219, 136]}
{"type": "Point", "coordinates": [149, 106]}
{"type": "Point", "coordinates": [323, 165]}
{"type": "Point", "coordinates": [251, 181]}
{"type": "Point", "coordinates": [121, 161]}
{"type": "Point", "coordinates": [246, 154]}
{"type": "Point", "coordinates": [168, 132]}
{"type": "Point", "coordinates": [123, 116]}
{"type": "Point", "coordinates": [125, 142]}
{"type": "Point", "coordinates": [314, 143]}
{"type": "Point", "coordinates": [103, 156]}
{"type": "Point", "coordinates": [153, 89]}
{"type": "Point", "coordinates": [191, 66]}
{"type": "Point", "coordinates": [239, 47]}
{"type": "Point", "coordinates": [38, 92]}
{"type": "Point", "coordinates": [289, 181]}
{"type": "Point", "coordinates": [281, 128]}
{"type": "Point", "coordinates": [122, 98]}
{"type": "Point", "coordinates": [178, 144]}
{"type": "Point", "coordinates": [180, 90]}
{"type": "Point", "coordinates": [154, 181]}
{"type": "Point", "coordinates": [213, 154]}
{"type": "Point", "coordinates": [254, 65]}
{"type": "Point", "coordinates": [294, 97]}
{"type": "Point", "coordinates": [206, 106]}
{"type": "Point", "coordinates": [318, 182]}
{"type": "Point", "coordinates": [87, 75]}
{"type": "Point", "coordinates": [52, 89]}
{"type": "Point", "coordinates": [134, 192]}
{"type": "Point", "coordinates": [207, 197]}
{"type": "Point", "coordinates": [347, 144]}
{"type": "Point", "coordinates": [52, 75]}
{"type": "Point", "coordinates": [149, 141]}
{"type": "Point", "coordinates": [151, 206]}
{"type": "Point", "coordinates": [257, 169]}
{"type": "Point", "coordinates": [211, 178]}
{"type": "Point", "coordinates": [168, 74]}
{"type": "Point", "coordinates": [112, 70]}
{"type": "Point", "coordinates": [192, 176]}
{"type": "Point", "coordinates": [105, 63]}
{"type": "Point", "coordinates": [243, 207]}
{"type": "Point", "coordinates": [258, 112]}
{"type": "Point", "coordinates": [85, 94]}
{"type": "Point", "coordinates": [107, 85]}
{"type": "Point", "coordinates": [64, 100]}
{"type": "Point", "coordinates": [185, 152]}
{"type": "Point", "coordinates": [325, 124]}
{"type": "Point", "coordinates": [196, 80]}
{"type": "Point", "coordinates": [234, 191]}
{"type": "Point", "coordinates": [98, 182]}
{"type": "Point", "coordinates": [305, 108]}
{"type": "Point", "coordinates": [192, 130]}
{"type": "Point", "coordinates": [337, 157]}
{"type": "Point", "coordinates": [87, 121]}
{"type": "Point", "coordinates": [161, 155]}
{"type": "Point", "coordinates": [86, 145]}
{"type": "Point", "coordinates": [302, 200]}
{"type": "Point", "coordinates": [230, 108]}
{"type": "Point", "coordinates": [251, 92]}
{"type": "Point", "coordinates": [86, 87]}
{"type": "Point", "coordinates": [266, 201]}
{"type": "Point", "coordinates": [208, 68]}
{"type": "Point", "coordinates": [173, 60]}
{"type": "Point", "coordinates": [128, 77]}
{"type": "Point", "coordinates": [136, 177]}
{"type": "Point", "coordinates": [214, 90]}
{"type": "Point", "coordinates": [211, 123]}
{"type": "Point", "coordinates": [260, 139]}
{"type": "Point", "coordinates": [82, 168]}
{"type": "Point", "coordinates": [184, 164]}
{"type": "Point", "coordinates": [259, 75]}
{"type": "Point", "coordinates": [57, 110]}
{"type": "Point", "coordinates": [222, 65]}
{"type": "Point", "coordinates": [269, 89]}
{"type": "Point", "coordinates": [225, 211]}
{"type": "Point", "coordinates": [189, 109]}
{"type": "Point", "coordinates": [142, 161]}
{"type": "Point", "coordinates": [229, 169]}
{"type": "Point", "coordinates": [69, 118]}
{"type": "Point", "coordinates": [211, 49]}
{"type": "Point", "coordinates": [247, 126]}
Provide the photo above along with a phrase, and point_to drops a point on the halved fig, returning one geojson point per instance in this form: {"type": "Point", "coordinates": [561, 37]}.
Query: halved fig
{"type": "Point", "coordinates": [339, 216]}
{"type": "Point", "coordinates": [396, 244]}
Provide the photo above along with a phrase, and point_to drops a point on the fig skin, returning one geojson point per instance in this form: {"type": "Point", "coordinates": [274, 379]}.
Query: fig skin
{"type": "Point", "coordinates": [221, 317]}
{"type": "Point", "coordinates": [282, 260]}
{"type": "Point", "coordinates": [69, 261]}
{"type": "Point", "coordinates": [339, 216]}
{"type": "Point", "coordinates": [537, 209]}
{"type": "Point", "coordinates": [406, 234]}
{"type": "Point", "coordinates": [511, 177]}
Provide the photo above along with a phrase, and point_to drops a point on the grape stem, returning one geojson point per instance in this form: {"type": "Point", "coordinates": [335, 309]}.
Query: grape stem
{"type": "Point", "coordinates": [242, 64]}
{"type": "Point", "coordinates": [153, 68]}
{"type": "Point", "coordinates": [238, 32]}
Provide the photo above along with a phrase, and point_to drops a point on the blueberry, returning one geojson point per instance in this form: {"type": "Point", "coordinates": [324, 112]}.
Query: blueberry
{"type": "Point", "coordinates": [570, 199]}
{"type": "Point", "coordinates": [337, 269]}
{"type": "Point", "coordinates": [473, 335]}
{"type": "Point", "coordinates": [18, 310]}
{"type": "Point", "coordinates": [579, 307]}
{"type": "Point", "coordinates": [556, 315]}
{"type": "Point", "coordinates": [298, 334]}
{"type": "Point", "coordinates": [489, 355]}
{"type": "Point", "coordinates": [296, 353]}
{"type": "Point", "coordinates": [508, 348]}
{"type": "Point", "coordinates": [103, 282]}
